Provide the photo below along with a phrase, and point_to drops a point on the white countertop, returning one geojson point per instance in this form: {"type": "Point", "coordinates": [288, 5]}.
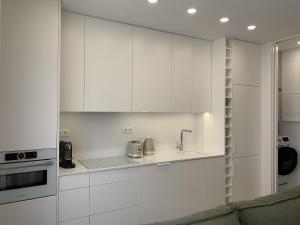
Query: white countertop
{"type": "Point", "coordinates": [121, 162]}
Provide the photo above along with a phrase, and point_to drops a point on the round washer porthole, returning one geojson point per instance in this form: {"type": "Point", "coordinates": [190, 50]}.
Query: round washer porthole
{"type": "Point", "coordinates": [287, 160]}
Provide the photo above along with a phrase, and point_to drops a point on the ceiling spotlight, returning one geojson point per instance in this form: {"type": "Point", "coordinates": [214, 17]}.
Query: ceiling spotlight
{"type": "Point", "coordinates": [152, 1]}
{"type": "Point", "coordinates": [224, 20]}
{"type": "Point", "coordinates": [191, 11]}
{"type": "Point", "coordinates": [298, 42]}
{"type": "Point", "coordinates": [251, 27]}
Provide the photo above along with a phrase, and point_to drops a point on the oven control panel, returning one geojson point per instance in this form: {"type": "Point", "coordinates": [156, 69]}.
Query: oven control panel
{"type": "Point", "coordinates": [20, 156]}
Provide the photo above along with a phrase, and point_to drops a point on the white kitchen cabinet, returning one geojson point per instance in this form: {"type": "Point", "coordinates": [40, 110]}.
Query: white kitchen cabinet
{"type": "Point", "coordinates": [151, 71]}
{"type": "Point", "coordinates": [193, 182]}
{"type": "Point", "coordinates": [127, 216]}
{"type": "Point", "coordinates": [81, 221]}
{"type": "Point", "coordinates": [29, 74]}
{"type": "Point", "coordinates": [108, 66]}
{"type": "Point", "coordinates": [182, 74]}
{"type": "Point", "coordinates": [73, 204]}
{"type": "Point", "coordinates": [290, 85]}
{"type": "Point", "coordinates": [161, 192]}
{"type": "Point", "coordinates": [114, 196]}
{"type": "Point", "coordinates": [202, 76]}
{"type": "Point", "coordinates": [31, 212]}
{"type": "Point", "coordinates": [74, 181]}
{"type": "Point", "coordinates": [246, 63]}
{"type": "Point", "coordinates": [246, 120]}
{"type": "Point", "coordinates": [213, 183]}
{"type": "Point", "coordinates": [246, 178]}
{"type": "Point", "coordinates": [72, 62]}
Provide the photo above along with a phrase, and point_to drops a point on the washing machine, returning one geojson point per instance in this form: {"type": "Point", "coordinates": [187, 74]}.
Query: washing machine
{"type": "Point", "coordinates": [287, 163]}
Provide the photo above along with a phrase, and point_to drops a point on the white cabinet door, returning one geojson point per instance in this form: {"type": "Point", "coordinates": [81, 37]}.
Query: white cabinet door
{"type": "Point", "coordinates": [201, 76]}
{"type": "Point", "coordinates": [193, 185]}
{"type": "Point", "coordinates": [246, 120]}
{"type": "Point", "coordinates": [246, 178]}
{"type": "Point", "coordinates": [119, 195]}
{"type": "Point", "coordinates": [161, 192]}
{"type": "Point", "coordinates": [81, 221]}
{"type": "Point", "coordinates": [108, 66]}
{"type": "Point", "coordinates": [72, 62]}
{"type": "Point", "coordinates": [73, 204]}
{"type": "Point", "coordinates": [213, 183]}
{"type": "Point", "coordinates": [290, 71]}
{"type": "Point", "coordinates": [29, 74]}
{"type": "Point", "coordinates": [246, 63]}
{"type": "Point", "coordinates": [128, 216]}
{"type": "Point", "coordinates": [182, 74]}
{"type": "Point", "coordinates": [40, 211]}
{"type": "Point", "coordinates": [151, 70]}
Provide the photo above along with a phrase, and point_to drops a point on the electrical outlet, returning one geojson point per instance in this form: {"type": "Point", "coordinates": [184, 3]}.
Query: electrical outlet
{"type": "Point", "coordinates": [127, 130]}
{"type": "Point", "coordinates": [63, 133]}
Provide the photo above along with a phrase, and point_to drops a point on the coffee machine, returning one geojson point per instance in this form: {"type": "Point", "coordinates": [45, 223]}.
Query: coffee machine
{"type": "Point", "coordinates": [65, 155]}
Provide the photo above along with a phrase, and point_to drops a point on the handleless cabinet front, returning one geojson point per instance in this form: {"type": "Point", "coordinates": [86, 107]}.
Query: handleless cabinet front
{"type": "Point", "coordinates": [108, 66]}
{"type": "Point", "coordinates": [151, 70]}
{"type": "Point", "coordinates": [73, 204]}
{"type": "Point", "coordinates": [161, 192]}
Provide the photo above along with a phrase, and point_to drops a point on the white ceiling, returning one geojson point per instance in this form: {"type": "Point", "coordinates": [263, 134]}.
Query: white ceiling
{"type": "Point", "coordinates": [275, 19]}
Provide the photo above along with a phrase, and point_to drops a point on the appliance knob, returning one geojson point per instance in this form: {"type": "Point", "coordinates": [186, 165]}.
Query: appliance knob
{"type": "Point", "coordinates": [21, 155]}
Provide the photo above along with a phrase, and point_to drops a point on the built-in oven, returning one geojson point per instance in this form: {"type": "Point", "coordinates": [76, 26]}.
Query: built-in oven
{"type": "Point", "coordinates": [27, 175]}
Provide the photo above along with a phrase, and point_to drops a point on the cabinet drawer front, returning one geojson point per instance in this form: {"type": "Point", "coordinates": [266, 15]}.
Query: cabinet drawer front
{"type": "Point", "coordinates": [73, 181]}
{"type": "Point", "coordinates": [129, 216]}
{"type": "Point", "coordinates": [107, 177]}
{"type": "Point", "coordinates": [73, 204]}
{"type": "Point", "coordinates": [109, 197]}
{"type": "Point", "coordinates": [81, 221]}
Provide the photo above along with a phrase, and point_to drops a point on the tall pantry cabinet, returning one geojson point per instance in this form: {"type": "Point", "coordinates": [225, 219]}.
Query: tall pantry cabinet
{"type": "Point", "coordinates": [243, 110]}
{"type": "Point", "coordinates": [29, 74]}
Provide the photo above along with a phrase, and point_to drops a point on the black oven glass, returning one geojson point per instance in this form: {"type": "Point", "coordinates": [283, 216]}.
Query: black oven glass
{"type": "Point", "coordinates": [23, 180]}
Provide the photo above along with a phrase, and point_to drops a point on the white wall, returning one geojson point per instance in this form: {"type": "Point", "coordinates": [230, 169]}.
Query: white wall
{"type": "Point", "coordinates": [99, 134]}
{"type": "Point", "coordinates": [291, 129]}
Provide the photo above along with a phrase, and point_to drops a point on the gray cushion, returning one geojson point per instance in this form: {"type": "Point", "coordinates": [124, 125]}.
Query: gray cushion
{"type": "Point", "coordinates": [222, 215]}
{"type": "Point", "coordinates": [279, 209]}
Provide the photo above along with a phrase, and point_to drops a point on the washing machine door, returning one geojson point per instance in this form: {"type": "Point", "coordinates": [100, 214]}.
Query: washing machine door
{"type": "Point", "coordinates": [287, 160]}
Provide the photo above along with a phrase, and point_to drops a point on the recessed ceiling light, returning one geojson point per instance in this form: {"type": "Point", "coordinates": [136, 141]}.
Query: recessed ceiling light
{"type": "Point", "coordinates": [298, 42]}
{"type": "Point", "coordinates": [152, 1]}
{"type": "Point", "coordinates": [191, 11]}
{"type": "Point", "coordinates": [251, 27]}
{"type": "Point", "coordinates": [224, 19]}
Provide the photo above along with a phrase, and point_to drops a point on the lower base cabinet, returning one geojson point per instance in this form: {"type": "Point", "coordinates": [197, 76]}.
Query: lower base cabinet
{"type": "Point", "coordinates": [144, 194]}
{"type": "Point", "coordinates": [129, 216]}
{"type": "Point", "coordinates": [40, 211]}
{"type": "Point", "coordinates": [81, 221]}
{"type": "Point", "coordinates": [246, 178]}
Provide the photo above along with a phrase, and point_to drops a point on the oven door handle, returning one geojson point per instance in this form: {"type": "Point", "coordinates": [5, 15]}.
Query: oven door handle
{"type": "Point", "coordinates": [26, 164]}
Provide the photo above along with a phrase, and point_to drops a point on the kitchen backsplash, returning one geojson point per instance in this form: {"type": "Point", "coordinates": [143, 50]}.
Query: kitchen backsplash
{"type": "Point", "coordinates": [101, 134]}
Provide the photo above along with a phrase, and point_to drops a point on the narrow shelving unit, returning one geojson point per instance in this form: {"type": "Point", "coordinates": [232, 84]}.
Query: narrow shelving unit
{"type": "Point", "coordinates": [228, 123]}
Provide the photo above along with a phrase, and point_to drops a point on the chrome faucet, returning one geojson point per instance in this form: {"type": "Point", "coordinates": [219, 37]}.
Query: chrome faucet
{"type": "Point", "coordinates": [180, 146]}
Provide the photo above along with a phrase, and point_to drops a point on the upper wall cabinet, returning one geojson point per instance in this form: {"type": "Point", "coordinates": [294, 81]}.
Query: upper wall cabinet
{"type": "Point", "coordinates": [182, 74]}
{"type": "Point", "coordinates": [202, 81]}
{"type": "Point", "coordinates": [290, 85]}
{"type": "Point", "coordinates": [72, 62]}
{"type": "Point", "coordinates": [113, 67]}
{"type": "Point", "coordinates": [246, 63]}
{"type": "Point", "coordinates": [151, 71]}
{"type": "Point", "coordinates": [108, 66]}
{"type": "Point", "coordinates": [29, 74]}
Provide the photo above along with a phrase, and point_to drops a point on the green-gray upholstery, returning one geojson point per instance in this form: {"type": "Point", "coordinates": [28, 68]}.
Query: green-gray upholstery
{"type": "Point", "coordinates": [223, 215]}
{"type": "Point", "coordinates": [278, 209]}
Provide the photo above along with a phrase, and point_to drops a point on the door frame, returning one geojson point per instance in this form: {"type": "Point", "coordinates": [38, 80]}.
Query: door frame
{"type": "Point", "coordinates": [274, 108]}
